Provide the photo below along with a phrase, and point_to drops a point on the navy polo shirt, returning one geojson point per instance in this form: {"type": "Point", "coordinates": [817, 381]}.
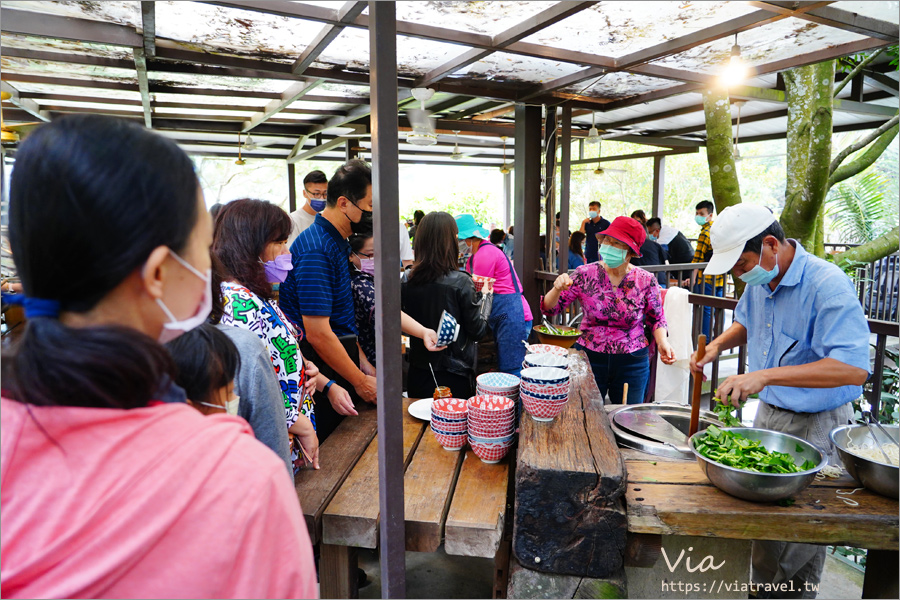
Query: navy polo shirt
{"type": "Point", "coordinates": [319, 283]}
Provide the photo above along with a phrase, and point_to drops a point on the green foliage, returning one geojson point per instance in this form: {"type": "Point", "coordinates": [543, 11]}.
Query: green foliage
{"type": "Point", "coordinates": [478, 206]}
{"type": "Point", "coordinates": [857, 208]}
{"type": "Point", "coordinates": [845, 64]}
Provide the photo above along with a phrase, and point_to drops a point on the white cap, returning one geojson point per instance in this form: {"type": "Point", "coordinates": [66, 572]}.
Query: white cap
{"type": "Point", "coordinates": [731, 230]}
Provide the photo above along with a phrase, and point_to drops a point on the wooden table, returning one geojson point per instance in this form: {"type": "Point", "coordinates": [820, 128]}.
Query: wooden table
{"type": "Point", "coordinates": [451, 497]}
{"type": "Point", "coordinates": [673, 497]}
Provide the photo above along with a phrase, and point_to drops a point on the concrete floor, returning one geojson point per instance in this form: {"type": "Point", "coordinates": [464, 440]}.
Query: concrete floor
{"type": "Point", "coordinates": [438, 575]}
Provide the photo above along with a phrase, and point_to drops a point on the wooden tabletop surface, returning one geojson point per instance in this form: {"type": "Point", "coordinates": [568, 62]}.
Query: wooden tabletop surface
{"type": "Point", "coordinates": [451, 497]}
{"type": "Point", "coordinates": [674, 497]}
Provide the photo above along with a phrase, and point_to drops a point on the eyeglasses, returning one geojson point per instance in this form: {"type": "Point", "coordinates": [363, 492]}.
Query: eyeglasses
{"type": "Point", "coordinates": [361, 255]}
{"type": "Point", "coordinates": [314, 195]}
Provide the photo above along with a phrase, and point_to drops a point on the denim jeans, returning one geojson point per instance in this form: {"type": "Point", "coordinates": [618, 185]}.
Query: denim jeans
{"type": "Point", "coordinates": [707, 289]}
{"type": "Point", "coordinates": [613, 371]}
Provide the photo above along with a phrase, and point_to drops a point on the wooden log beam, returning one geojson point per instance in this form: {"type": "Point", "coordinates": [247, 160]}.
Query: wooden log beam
{"type": "Point", "coordinates": [570, 483]}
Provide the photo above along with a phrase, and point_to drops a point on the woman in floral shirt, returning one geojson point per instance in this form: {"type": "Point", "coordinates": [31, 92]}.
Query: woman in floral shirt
{"type": "Point", "coordinates": [620, 303]}
{"type": "Point", "coordinates": [250, 241]}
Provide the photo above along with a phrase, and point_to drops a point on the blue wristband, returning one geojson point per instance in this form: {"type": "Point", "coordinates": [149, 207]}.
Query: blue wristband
{"type": "Point", "coordinates": [328, 386]}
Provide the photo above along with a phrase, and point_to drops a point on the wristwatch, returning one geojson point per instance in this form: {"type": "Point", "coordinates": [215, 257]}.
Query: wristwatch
{"type": "Point", "coordinates": [328, 386]}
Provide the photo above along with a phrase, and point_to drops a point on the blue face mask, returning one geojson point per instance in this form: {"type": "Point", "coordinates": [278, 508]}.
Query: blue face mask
{"type": "Point", "coordinates": [701, 220]}
{"type": "Point", "coordinates": [652, 237]}
{"type": "Point", "coordinates": [612, 256]}
{"type": "Point", "coordinates": [592, 214]}
{"type": "Point", "coordinates": [317, 205]}
{"type": "Point", "coordinates": [759, 276]}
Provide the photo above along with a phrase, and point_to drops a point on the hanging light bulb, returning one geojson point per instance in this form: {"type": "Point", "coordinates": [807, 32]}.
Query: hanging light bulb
{"type": "Point", "coordinates": [736, 71]}
{"type": "Point", "coordinates": [593, 135]}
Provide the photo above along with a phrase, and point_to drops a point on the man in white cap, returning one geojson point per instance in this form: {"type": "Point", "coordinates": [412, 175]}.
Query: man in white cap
{"type": "Point", "coordinates": [808, 347]}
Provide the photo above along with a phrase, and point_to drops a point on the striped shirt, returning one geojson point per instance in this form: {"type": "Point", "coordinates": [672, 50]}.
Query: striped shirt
{"type": "Point", "coordinates": [702, 254]}
{"type": "Point", "coordinates": [319, 283]}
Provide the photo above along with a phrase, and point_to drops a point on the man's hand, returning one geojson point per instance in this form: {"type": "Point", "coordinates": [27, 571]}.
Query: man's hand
{"type": "Point", "coordinates": [430, 339]}
{"type": "Point", "coordinates": [367, 390]}
{"type": "Point", "coordinates": [666, 352]}
{"type": "Point", "coordinates": [341, 401]}
{"type": "Point", "coordinates": [312, 372]}
{"type": "Point", "coordinates": [712, 351]}
{"type": "Point", "coordinates": [740, 387]}
{"type": "Point", "coordinates": [364, 365]}
{"type": "Point", "coordinates": [563, 282]}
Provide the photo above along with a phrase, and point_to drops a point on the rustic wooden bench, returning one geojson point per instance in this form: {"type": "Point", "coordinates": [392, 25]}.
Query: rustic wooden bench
{"type": "Point", "coordinates": [451, 498]}
{"type": "Point", "coordinates": [338, 455]}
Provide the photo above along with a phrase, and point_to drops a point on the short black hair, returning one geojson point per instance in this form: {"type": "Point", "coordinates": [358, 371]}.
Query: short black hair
{"type": "Point", "coordinates": [357, 241]}
{"type": "Point", "coordinates": [707, 205]}
{"type": "Point", "coordinates": [594, 203]}
{"type": "Point", "coordinates": [350, 181]}
{"type": "Point", "coordinates": [417, 216]}
{"type": "Point", "coordinates": [754, 244]}
{"type": "Point", "coordinates": [214, 210]}
{"type": "Point", "coordinates": [315, 177]}
{"type": "Point", "coordinates": [654, 221]}
{"type": "Point", "coordinates": [205, 361]}
{"type": "Point", "coordinates": [497, 236]}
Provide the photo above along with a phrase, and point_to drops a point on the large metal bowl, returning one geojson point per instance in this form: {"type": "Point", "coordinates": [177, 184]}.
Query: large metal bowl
{"type": "Point", "coordinates": [763, 487]}
{"type": "Point", "coordinates": [878, 477]}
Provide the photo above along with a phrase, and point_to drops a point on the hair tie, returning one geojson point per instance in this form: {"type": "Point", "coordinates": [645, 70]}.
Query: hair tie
{"type": "Point", "coordinates": [34, 307]}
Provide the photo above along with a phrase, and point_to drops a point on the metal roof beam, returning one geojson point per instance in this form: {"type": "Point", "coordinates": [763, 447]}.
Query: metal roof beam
{"type": "Point", "coordinates": [779, 97]}
{"type": "Point", "coordinates": [29, 106]}
{"type": "Point", "coordinates": [698, 38]}
{"type": "Point", "coordinates": [148, 28]}
{"type": "Point", "coordinates": [346, 14]}
{"type": "Point", "coordinates": [545, 18]}
{"type": "Point", "coordinates": [30, 23]}
{"type": "Point", "coordinates": [140, 64]}
{"type": "Point", "coordinates": [839, 19]}
{"type": "Point", "coordinates": [882, 82]}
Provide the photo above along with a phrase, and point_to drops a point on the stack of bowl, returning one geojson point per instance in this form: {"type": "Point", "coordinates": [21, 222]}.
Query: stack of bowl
{"type": "Point", "coordinates": [545, 348]}
{"type": "Point", "coordinates": [546, 359]}
{"type": "Point", "coordinates": [499, 384]}
{"type": "Point", "coordinates": [491, 426]}
{"type": "Point", "coordinates": [480, 280]}
{"type": "Point", "coordinates": [544, 392]}
{"type": "Point", "coordinates": [449, 422]}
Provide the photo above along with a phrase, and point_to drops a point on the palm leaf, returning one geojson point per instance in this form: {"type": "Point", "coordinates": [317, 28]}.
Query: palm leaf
{"type": "Point", "coordinates": [857, 208]}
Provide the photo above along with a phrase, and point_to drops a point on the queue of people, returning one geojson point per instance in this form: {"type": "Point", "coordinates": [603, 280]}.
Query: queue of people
{"type": "Point", "coordinates": [183, 384]}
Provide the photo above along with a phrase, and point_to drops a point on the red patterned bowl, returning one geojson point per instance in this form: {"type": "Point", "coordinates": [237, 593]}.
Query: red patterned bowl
{"type": "Point", "coordinates": [542, 410]}
{"type": "Point", "coordinates": [490, 453]}
{"type": "Point", "coordinates": [450, 408]}
{"type": "Point", "coordinates": [543, 348]}
{"type": "Point", "coordinates": [490, 404]}
{"type": "Point", "coordinates": [450, 441]}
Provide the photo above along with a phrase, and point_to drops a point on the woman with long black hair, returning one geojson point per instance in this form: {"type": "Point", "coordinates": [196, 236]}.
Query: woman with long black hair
{"type": "Point", "coordinates": [436, 284]}
{"type": "Point", "coordinates": [112, 485]}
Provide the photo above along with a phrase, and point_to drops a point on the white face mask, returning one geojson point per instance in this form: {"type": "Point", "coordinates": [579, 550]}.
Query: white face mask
{"type": "Point", "coordinates": [174, 327]}
{"type": "Point", "coordinates": [231, 406]}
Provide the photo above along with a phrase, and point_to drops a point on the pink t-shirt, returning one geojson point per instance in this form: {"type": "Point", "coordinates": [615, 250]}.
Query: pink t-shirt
{"type": "Point", "coordinates": [156, 502]}
{"type": "Point", "coordinates": [490, 261]}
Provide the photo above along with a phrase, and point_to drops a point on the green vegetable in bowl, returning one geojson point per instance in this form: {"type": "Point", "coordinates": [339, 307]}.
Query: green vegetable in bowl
{"type": "Point", "coordinates": [734, 450]}
{"type": "Point", "coordinates": [546, 330]}
{"type": "Point", "coordinates": [725, 412]}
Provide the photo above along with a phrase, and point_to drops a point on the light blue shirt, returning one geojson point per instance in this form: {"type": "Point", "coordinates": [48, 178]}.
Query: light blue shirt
{"type": "Point", "coordinates": [814, 313]}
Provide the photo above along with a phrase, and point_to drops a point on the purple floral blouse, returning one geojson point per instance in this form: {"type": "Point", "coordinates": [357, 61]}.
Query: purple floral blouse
{"type": "Point", "coordinates": [614, 318]}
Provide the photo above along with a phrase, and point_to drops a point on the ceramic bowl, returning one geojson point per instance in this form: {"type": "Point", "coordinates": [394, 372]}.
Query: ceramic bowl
{"type": "Point", "coordinates": [480, 405]}
{"type": "Point", "coordinates": [451, 441]}
{"type": "Point", "coordinates": [497, 380]}
{"type": "Point", "coordinates": [534, 388]}
{"type": "Point", "coordinates": [487, 431]}
{"type": "Point", "coordinates": [547, 349]}
{"type": "Point", "coordinates": [541, 410]}
{"type": "Point", "coordinates": [546, 397]}
{"type": "Point", "coordinates": [546, 360]}
{"type": "Point", "coordinates": [449, 408]}
{"type": "Point", "coordinates": [480, 280]}
{"type": "Point", "coordinates": [545, 375]}
{"type": "Point", "coordinates": [490, 453]}
{"type": "Point", "coordinates": [449, 426]}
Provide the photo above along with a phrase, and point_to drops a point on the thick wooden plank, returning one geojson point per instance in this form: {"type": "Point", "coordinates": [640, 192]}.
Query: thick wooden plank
{"type": "Point", "coordinates": [818, 516]}
{"type": "Point", "coordinates": [478, 510]}
{"type": "Point", "coordinates": [337, 572]}
{"type": "Point", "coordinates": [689, 473]}
{"type": "Point", "coordinates": [352, 516]}
{"type": "Point", "coordinates": [428, 484]}
{"type": "Point", "coordinates": [526, 583]}
{"type": "Point", "coordinates": [337, 456]}
{"type": "Point", "coordinates": [570, 481]}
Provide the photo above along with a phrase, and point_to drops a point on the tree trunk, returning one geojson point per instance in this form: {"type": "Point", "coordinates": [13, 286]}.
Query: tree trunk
{"type": "Point", "coordinates": [810, 104]}
{"type": "Point", "coordinates": [865, 160]}
{"type": "Point", "coordinates": [878, 248]}
{"type": "Point", "coordinates": [726, 189]}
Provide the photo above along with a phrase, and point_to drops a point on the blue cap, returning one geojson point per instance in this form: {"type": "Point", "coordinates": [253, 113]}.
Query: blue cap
{"type": "Point", "coordinates": [469, 228]}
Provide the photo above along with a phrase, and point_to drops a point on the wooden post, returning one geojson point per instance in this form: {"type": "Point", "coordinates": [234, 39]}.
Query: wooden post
{"type": "Point", "coordinates": [528, 199]}
{"type": "Point", "coordinates": [565, 174]}
{"type": "Point", "coordinates": [659, 184]}
{"type": "Point", "coordinates": [292, 188]}
{"type": "Point", "coordinates": [698, 386]}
